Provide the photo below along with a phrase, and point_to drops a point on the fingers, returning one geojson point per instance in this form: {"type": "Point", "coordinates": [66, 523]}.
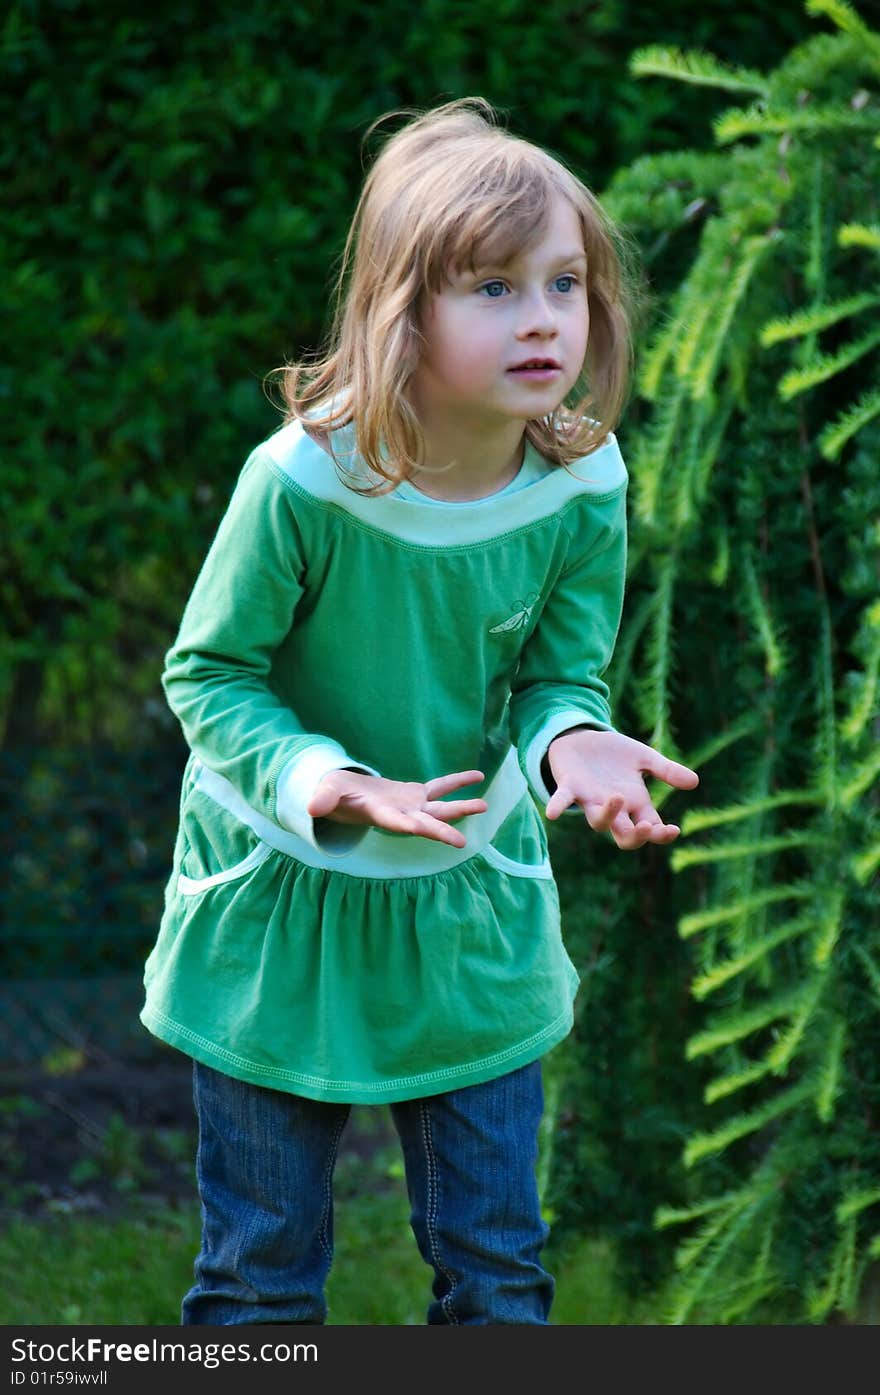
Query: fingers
{"type": "Point", "coordinates": [628, 835]}
{"type": "Point", "coordinates": [445, 784]}
{"type": "Point", "coordinates": [421, 824]}
{"type": "Point", "coordinates": [635, 835]}
{"type": "Point", "coordinates": [398, 806]}
{"type": "Point", "coordinates": [559, 801]}
{"type": "Point", "coordinates": [323, 801]}
{"type": "Point", "coordinates": [601, 813]}
{"type": "Point", "coordinates": [681, 776]}
{"type": "Point", "coordinates": [629, 832]}
{"type": "Point", "coordinates": [450, 809]}
{"type": "Point", "coordinates": [432, 820]}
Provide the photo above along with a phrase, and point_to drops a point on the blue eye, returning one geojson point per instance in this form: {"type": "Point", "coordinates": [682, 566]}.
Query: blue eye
{"type": "Point", "coordinates": [489, 285]}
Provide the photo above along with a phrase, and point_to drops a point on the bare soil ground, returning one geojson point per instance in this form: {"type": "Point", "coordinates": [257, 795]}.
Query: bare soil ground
{"type": "Point", "coordinates": [103, 1134]}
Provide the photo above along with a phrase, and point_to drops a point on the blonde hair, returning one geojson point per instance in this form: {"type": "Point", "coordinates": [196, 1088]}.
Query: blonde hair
{"type": "Point", "coordinates": [450, 186]}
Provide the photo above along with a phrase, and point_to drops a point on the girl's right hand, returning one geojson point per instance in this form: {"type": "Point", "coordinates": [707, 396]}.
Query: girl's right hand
{"type": "Point", "coordinates": [349, 796]}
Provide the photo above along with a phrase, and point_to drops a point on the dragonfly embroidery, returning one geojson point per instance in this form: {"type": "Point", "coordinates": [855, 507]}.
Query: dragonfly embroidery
{"type": "Point", "coordinates": [520, 617]}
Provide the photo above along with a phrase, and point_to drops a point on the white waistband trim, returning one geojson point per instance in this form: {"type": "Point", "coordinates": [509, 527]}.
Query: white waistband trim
{"type": "Point", "coordinates": [380, 854]}
{"type": "Point", "coordinates": [193, 886]}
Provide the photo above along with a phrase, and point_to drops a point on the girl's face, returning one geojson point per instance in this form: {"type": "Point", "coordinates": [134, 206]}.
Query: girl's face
{"type": "Point", "coordinates": [479, 329]}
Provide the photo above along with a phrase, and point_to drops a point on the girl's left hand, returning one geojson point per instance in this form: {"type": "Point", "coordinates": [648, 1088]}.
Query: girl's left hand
{"type": "Point", "coordinates": [602, 772]}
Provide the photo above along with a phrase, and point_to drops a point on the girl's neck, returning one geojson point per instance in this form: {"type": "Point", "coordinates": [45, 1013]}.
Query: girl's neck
{"type": "Point", "coordinates": [464, 462]}
{"type": "Point", "coordinates": [461, 483]}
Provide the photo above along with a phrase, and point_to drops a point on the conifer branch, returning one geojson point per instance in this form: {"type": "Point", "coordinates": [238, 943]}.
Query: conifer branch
{"type": "Point", "coordinates": [708, 852]}
{"type": "Point", "coordinates": [701, 376]}
{"type": "Point", "coordinates": [719, 419]}
{"type": "Point", "coordinates": [781, 1053]}
{"type": "Point", "coordinates": [652, 454]}
{"type": "Point", "coordinates": [817, 318]}
{"type": "Point", "coordinates": [707, 1144]}
{"type": "Point", "coordinates": [807, 492]}
{"type": "Point", "coordinates": [865, 864]}
{"type": "Point", "coordinates": [762, 120]}
{"type": "Point", "coordinates": [846, 18]}
{"type": "Point", "coordinates": [826, 366]}
{"type": "Point", "coordinates": [750, 1217]}
{"type": "Point", "coordinates": [744, 725]}
{"type": "Point", "coordinates": [872, 970]}
{"type": "Point", "coordinates": [826, 761]}
{"type": "Point", "coordinates": [678, 1215]}
{"type": "Point", "coordinates": [694, 66]}
{"type": "Point", "coordinates": [696, 820]}
{"type": "Point", "coordinates": [689, 1293]}
{"type": "Point", "coordinates": [721, 564]}
{"type": "Point", "coordinates": [733, 1026]}
{"type": "Point", "coordinates": [721, 972]}
{"type": "Point", "coordinates": [680, 334]}
{"type": "Point", "coordinates": [855, 1202]}
{"type": "Point", "coordinates": [864, 701]}
{"type": "Point", "coordinates": [810, 65]}
{"type": "Point", "coordinates": [821, 1301]}
{"type": "Point", "coordinates": [830, 924]}
{"type": "Point", "coordinates": [847, 1295]}
{"type": "Point", "coordinates": [665, 193]}
{"type": "Point", "coordinates": [733, 910]}
{"type": "Point", "coordinates": [654, 694]}
{"type": "Point", "coordinates": [700, 303]}
{"type": "Point", "coordinates": [828, 1084]}
{"type": "Point", "coordinates": [852, 419]}
{"type": "Point", "coordinates": [749, 1298]}
{"type": "Point", "coordinates": [815, 268]}
{"type": "Point", "coordinates": [724, 1085]}
{"type": "Point", "coordinates": [639, 617]}
{"type": "Point", "coordinates": [778, 890]}
{"type": "Point", "coordinates": [859, 235]}
{"type": "Point", "coordinates": [761, 1270]}
{"type": "Point", "coordinates": [762, 1260]}
{"type": "Point", "coordinates": [682, 511]}
{"type": "Point", "coordinates": [688, 1251]}
{"type": "Point", "coordinates": [654, 357]}
{"type": "Point", "coordinates": [684, 174]}
{"type": "Point", "coordinates": [763, 621]}
{"type": "Point", "coordinates": [861, 780]}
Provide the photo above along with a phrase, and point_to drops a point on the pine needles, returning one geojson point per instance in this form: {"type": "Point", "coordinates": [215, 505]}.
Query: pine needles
{"type": "Point", "coordinates": [756, 649]}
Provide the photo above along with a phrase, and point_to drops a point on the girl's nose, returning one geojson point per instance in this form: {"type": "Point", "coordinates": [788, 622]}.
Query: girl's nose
{"type": "Point", "coordinates": [537, 315]}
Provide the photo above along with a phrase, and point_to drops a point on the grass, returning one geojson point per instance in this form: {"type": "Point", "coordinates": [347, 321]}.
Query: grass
{"type": "Point", "coordinates": [82, 1262]}
{"type": "Point", "coordinates": [72, 1269]}
{"type": "Point", "coordinates": [69, 1270]}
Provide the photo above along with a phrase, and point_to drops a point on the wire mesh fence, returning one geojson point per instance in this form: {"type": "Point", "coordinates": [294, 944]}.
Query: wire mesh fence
{"type": "Point", "coordinates": [86, 839]}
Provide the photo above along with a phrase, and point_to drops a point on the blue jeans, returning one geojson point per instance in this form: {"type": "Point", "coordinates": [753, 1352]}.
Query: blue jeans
{"type": "Point", "coordinates": [265, 1173]}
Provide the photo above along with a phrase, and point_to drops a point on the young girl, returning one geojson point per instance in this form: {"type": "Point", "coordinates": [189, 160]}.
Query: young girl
{"type": "Point", "coordinates": [395, 646]}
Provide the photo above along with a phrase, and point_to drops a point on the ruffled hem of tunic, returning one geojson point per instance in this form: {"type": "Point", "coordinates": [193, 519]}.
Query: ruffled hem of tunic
{"type": "Point", "coordinates": [355, 1091]}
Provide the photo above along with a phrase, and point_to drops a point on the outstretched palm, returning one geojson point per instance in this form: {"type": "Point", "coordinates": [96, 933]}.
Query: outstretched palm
{"type": "Point", "coordinates": [602, 772]}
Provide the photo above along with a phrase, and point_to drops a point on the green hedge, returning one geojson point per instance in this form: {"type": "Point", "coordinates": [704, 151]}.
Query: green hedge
{"type": "Point", "coordinates": [176, 196]}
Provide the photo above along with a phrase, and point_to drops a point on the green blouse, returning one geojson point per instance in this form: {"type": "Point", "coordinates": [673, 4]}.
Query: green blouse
{"type": "Point", "coordinates": [407, 637]}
